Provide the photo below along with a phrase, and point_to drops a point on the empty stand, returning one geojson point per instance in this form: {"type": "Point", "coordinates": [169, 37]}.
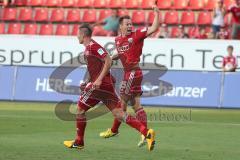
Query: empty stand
{"type": "Point", "coordinates": [25, 14]}
{"type": "Point", "coordinates": [30, 29]}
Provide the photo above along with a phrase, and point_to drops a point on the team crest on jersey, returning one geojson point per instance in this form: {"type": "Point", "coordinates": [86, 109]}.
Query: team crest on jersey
{"type": "Point", "coordinates": [130, 40]}
{"type": "Point", "coordinates": [100, 51]}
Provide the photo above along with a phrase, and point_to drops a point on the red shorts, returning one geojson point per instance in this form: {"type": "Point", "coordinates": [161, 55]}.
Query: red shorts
{"type": "Point", "coordinates": [91, 97]}
{"type": "Point", "coordinates": [131, 84]}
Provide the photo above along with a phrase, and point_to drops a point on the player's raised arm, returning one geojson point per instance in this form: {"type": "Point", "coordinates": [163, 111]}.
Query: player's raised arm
{"type": "Point", "coordinates": [155, 24]}
{"type": "Point", "coordinates": [104, 72]}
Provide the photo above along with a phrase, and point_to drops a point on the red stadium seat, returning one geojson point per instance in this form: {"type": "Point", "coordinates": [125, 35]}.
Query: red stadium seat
{"type": "Point", "coordinates": [68, 3]}
{"type": "Point", "coordinates": [57, 15]}
{"type": "Point", "coordinates": [41, 14]}
{"type": "Point", "coordinates": [204, 18]}
{"type": "Point", "coordinates": [164, 4]}
{"type": "Point", "coordinates": [148, 3]}
{"type": "Point", "coordinates": [25, 14]}
{"type": "Point", "coordinates": [210, 5]}
{"type": "Point", "coordinates": [99, 31]}
{"type": "Point", "coordinates": [2, 28]}
{"type": "Point", "coordinates": [83, 3]}
{"type": "Point", "coordinates": [138, 17]}
{"type": "Point", "coordinates": [46, 29]}
{"type": "Point", "coordinates": [30, 29]}
{"type": "Point", "coordinates": [196, 4]}
{"type": "Point", "coordinates": [174, 32]}
{"type": "Point", "coordinates": [89, 16]}
{"type": "Point", "coordinates": [132, 4]}
{"type": "Point", "coordinates": [151, 17]}
{"type": "Point", "coordinates": [35, 2]}
{"type": "Point", "coordinates": [104, 14]}
{"type": "Point", "coordinates": [62, 29]}
{"type": "Point", "coordinates": [193, 32]}
{"type": "Point", "coordinates": [14, 28]}
{"type": "Point", "coordinates": [100, 3]}
{"type": "Point", "coordinates": [123, 13]}
{"type": "Point", "coordinates": [171, 17]}
{"type": "Point", "coordinates": [227, 3]}
{"type": "Point", "coordinates": [75, 30]}
{"type": "Point", "coordinates": [52, 3]}
{"type": "Point", "coordinates": [188, 18]}
{"type": "Point", "coordinates": [20, 2]}
{"type": "Point", "coordinates": [9, 14]}
{"type": "Point", "coordinates": [180, 4]}
{"type": "Point", "coordinates": [73, 15]}
{"type": "Point", "coordinates": [116, 3]}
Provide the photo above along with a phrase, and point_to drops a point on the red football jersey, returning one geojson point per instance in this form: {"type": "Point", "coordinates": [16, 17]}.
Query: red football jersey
{"type": "Point", "coordinates": [232, 60]}
{"type": "Point", "coordinates": [235, 10]}
{"type": "Point", "coordinates": [94, 55]}
{"type": "Point", "coordinates": [130, 47]}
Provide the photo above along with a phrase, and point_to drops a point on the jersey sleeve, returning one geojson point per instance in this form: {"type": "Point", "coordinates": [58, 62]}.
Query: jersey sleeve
{"type": "Point", "coordinates": [100, 52]}
{"type": "Point", "coordinates": [141, 34]}
{"type": "Point", "coordinates": [230, 8]}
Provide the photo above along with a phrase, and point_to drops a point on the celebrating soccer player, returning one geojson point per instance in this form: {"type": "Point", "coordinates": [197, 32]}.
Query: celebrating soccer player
{"type": "Point", "coordinates": [129, 46]}
{"type": "Point", "coordinates": [101, 88]}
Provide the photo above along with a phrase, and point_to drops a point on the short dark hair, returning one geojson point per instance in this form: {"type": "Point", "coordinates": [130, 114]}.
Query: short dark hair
{"type": "Point", "coordinates": [124, 17]}
{"type": "Point", "coordinates": [87, 29]}
{"type": "Point", "coordinates": [230, 47]}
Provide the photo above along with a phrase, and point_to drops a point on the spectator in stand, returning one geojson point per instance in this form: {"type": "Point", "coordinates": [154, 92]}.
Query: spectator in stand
{"type": "Point", "coordinates": [230, 61]}
{"type": "Point", "coordinates": [164, 32]}
{"type": "Point", "coordinates": [218, 17]}
{"type": "Point", "coordinates": [202, 34]}
{"type": "Point", "coordinates": [223, 33]}
{"type": "Point", "coordinates": [235, 10]}
{"type": "Point", "coordinates": [182, 33]}
{"type": "Point", "coordinates": [111, 24]}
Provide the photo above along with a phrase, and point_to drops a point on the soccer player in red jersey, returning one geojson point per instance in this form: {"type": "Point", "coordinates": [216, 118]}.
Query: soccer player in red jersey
{"type": "Point", "coordinates": [235, 10]}
{"type": "Point", "coordinates": [129, 46]}
{"type": "Point", "coordinates": [101, 88]}
{"type": "Point", "coordinates": [230, 61]}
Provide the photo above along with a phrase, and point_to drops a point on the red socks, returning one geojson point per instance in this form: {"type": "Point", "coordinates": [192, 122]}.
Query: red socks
{"type": "Point", "coordinates": [81, 125]}
{"type": "Point", "coordinates": [140, 116]}
{"type": "Point", "coordinates": [134, 123]}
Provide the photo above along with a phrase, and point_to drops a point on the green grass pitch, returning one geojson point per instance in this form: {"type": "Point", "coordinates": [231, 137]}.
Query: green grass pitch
{"type": "Point", "coordinates": [31, 131]}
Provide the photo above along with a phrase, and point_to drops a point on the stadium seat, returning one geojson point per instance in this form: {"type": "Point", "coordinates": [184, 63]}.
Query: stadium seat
{"type": "Point", "coordinates": [25, 14]}
{"type": "Point", "coordinates": [30, 29]}
{"type": "Point", "coordinates": [46, 29]}
{"type": "Point", "coordinates": [99, 31]}
{"type": "Point", "coordinates": [41, 14]}
{"type": "Point", "coordinates": [180, 4]}
{"type": "Point", "coordinates": [52, 3]}
{"type": "Point", "coordinates": [204, 18]}
{"type": "Point", "coordinates": [83, 3]}
{"type": "Point", "coordinates": [62, 29]}
{"type": "Point", "coordinates": [116, 4]}
{"type": "Point", "coordinates": [151, 17]}
{"type": "Point", "coordinates": [138, 17]}
{"type": "Point", "coordinates": [174, 32]}
{"type": "Point", "coordinates": [193, 32]}
{"type": "Point", "coordinates": [171, 17]}
{"type": "Point", "coordinates": [133, 4]}
{"type": "Point", "coordinates": [164, 4]}
{"type": "Point", "coordinates": [9, 14]}
{"type": "Point", "coordinates": [187, 18]}
{"type": "Point", "coordinates": [123, 13]}
{"type": "Point", "coordinates": [196, 4]}
{"type": "Point", "coordinates": [2, 28]}
{"type": "Point", "coordinates": [20, 2]}
{"type": "Point", "coordinates": [73, 15]}
{"type": "Point", "coordinates": [147, 4]}
{"type": "Point", "coordinates": [35, 2]}
{"type": "Point", "coordinates": [100, 3]}
{"type": "Point", "coordinates": [14, 28]}
{"type": "Point", "coordinates": [104, 14]}
{"type": "Point", "coordinates": [68, 3]}
{"type": "Point", "coordinates": [227, 3]}
{"type": "Point", "coordinates": [75, 30]}
{"type": "Point", "coordinates": [57, 15]}
{"type": "Point", "coordinates": [89, 16]}
{"type": "Point", "coordinates": [210, 4]}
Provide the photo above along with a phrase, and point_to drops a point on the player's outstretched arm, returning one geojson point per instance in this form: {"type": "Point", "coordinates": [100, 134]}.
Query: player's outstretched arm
{"type": "Point", "coordinates": [105, 70]}
{"type": "Point", "coordinates": [155, 24]}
